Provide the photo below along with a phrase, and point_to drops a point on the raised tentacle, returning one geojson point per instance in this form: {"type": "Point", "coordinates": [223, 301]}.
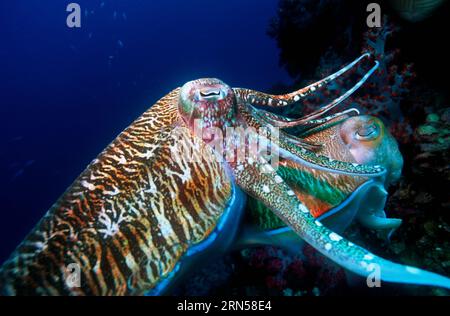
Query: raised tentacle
{"type": "Point", "coordinates": [321, 111]}
{"type": "Point", "coordinates": [260, 181]}
{"type": "Point", "coordinates": [263, 99]}
{"type": "Point", "coordinates": [348, 93]}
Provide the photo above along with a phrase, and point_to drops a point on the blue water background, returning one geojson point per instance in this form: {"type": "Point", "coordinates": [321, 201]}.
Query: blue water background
{"type": "Point", "coordinates": [66, 93]}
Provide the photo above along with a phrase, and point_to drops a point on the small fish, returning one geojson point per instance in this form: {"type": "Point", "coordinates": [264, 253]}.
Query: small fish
{"type": "Point", "coordinates": [115, 15]}
{"type": "Point", "coordinates": [124, 16]}
{"type": "Point", "coordinates": [102, 4]}
{"type": "Point", "coordinates": [120, 43]}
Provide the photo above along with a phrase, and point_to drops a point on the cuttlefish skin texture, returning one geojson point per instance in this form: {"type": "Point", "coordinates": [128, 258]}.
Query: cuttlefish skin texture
{"type": "Point", "coordinates": [129, 217]}
{"type": "Point", "coordinates": [357, 139]}
{"type": "Point", "coordinates": [160, 195]}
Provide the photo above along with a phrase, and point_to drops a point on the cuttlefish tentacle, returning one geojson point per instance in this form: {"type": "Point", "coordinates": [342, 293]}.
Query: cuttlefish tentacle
{"type": "Point", "coordinates": [292, 151]}
{"type": "Point", "coordinates": [261, 181]}
{"type": "Point", "coordinates": [263, 99]}
{"type": "Point", "coordinates": [343, 97]}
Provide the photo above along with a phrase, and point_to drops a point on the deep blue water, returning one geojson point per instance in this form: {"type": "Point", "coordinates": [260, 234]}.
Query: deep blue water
{"type": "Point", "coordinates": [66, 93]}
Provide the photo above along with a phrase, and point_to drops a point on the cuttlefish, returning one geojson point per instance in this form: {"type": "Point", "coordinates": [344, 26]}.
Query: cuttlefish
{"type": "Point", "coordinates": [169, 193]}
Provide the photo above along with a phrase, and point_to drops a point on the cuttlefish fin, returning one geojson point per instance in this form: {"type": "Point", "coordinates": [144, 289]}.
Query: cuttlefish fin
{"type": "Point", "coordinates": [373, 216]}
{"type": "Point", "coordinates": [269, 100]}
{"type": "Point", "coordinates": [284, 238]}
{"type": "Point", "coordinates": [385, 227]}
{"type": "Point", "coordinates": [259, 179]}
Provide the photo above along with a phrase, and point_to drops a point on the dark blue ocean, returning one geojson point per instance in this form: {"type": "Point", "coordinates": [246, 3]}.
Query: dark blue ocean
{"type": "Point", "coordinates": [66, 93]}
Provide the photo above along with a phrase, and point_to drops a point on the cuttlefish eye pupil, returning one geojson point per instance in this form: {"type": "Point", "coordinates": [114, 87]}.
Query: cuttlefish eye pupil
{"type": "Point", "coordinates": [210, 93]}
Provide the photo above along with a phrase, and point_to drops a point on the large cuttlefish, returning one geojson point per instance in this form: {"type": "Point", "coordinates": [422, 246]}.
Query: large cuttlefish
{"type": "Point", "coordinates": [162, 198]}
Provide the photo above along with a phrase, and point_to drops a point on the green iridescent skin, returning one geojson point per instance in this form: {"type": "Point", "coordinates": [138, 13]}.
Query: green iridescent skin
{"type": "Point", "coordinates": [320, 189]}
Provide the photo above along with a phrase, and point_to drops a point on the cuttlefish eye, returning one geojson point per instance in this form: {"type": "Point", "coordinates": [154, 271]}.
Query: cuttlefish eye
{"type": "Point", "coordinates": [211, 93]}
{"type": "Point", "coordinates": [369, 142]}
{"type": "Point", "coordinates": [363, 129]}
{"type": "Point", "coordinates": [208, 100]}
{"type": "Point", "coordinates": [368, 131]}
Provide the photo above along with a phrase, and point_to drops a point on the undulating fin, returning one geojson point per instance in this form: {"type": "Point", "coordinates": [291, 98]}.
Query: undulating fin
{"type": "Point", "coordinates": [284, 238]}
{"type": "Point", "coordinates": [384, 227]}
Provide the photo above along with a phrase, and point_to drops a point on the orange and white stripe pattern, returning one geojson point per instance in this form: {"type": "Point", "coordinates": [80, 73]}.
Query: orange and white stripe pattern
{"type": "Point", "coordinates": [129, 217]}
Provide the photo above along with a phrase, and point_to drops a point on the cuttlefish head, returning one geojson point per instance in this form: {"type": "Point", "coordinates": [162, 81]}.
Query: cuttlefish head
{"type": "Point", "coordinates": [208, 102]}
{"type": "Point", "coordinates": [369, 142]}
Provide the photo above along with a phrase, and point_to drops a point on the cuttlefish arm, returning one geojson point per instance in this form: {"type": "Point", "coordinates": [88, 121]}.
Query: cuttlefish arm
{"type": "Point", "coordinates": [282, 122]}
{"type": "Point", "coordinates": [290, 149]}
{"type": "Point", "coordinates": [272, 119]}
{"type": "Point", "coordinates": [270, 100]}
{"type": "Point", "coordinates": [260, 180]}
